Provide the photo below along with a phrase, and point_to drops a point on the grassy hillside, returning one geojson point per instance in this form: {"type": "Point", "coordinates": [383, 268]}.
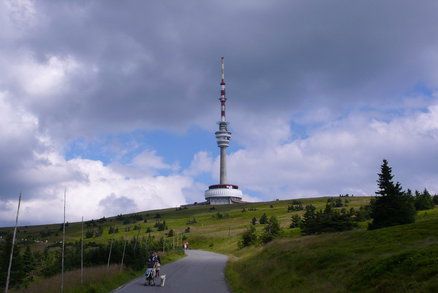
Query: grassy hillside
{"type": "Point", "coordinates": [209, 231]}
{"type": "Point", "coordinates": [337, 262]}
{"type": "Point", "coordinates": [395, 259]}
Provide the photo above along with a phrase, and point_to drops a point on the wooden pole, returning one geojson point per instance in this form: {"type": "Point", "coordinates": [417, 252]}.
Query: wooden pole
{"type": "Point", "coordinates": [82, 252]}
{"type": "Point", "coordinates": [109, 255]}
{"type": "Point", "coordinates": [136, 240]}
{"type": "Point", "coordinates": [123, 255]}
{"type": "Point", "coordinates": [12, 248]}
{"type": "Point", "coordinates": [63, 245]}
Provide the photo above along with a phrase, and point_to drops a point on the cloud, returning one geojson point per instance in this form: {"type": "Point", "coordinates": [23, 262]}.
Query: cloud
{"type": "Point", "coordinates": [318, 94]}
{"type": "Point", "coordinates": [344, 157]}
{"type": "Point", "coordinates": [148, 59]}
{"type": "Point", "coordinates": [113, 204]}
{"type": "Point", "coordinates": [97, 191]}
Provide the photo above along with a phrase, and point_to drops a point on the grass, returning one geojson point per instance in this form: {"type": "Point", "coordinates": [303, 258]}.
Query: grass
{"type": "Point", "coordinates": [96, 279]}
{"type": "Point", "coordinates": [395, 259]}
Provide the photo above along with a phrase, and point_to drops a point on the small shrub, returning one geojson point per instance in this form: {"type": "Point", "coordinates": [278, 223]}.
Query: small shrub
{"type": "Point", "coordinates": [161, 226]}
{"type": "Point", "coordinates": [221, 216]}
{"type": "Point", "coordinates": [295, 206]}
{"type": "Point", "coordinates": [263, 219]}
{"type": "Point", "coordinates": [295, 221]}
{"type": "Point", "coordinates": [192, 221]}
{"type": "Point", "coordinates": [249, 237]}
{"type": "Point", "coordinates": [271, 231]}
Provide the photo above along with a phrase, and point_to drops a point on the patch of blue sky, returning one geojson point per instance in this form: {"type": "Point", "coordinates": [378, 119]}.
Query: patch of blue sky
{"type": "Point", "coordinates": [174, 148]}
{"type": "Point", "coordinates": [421, 89]}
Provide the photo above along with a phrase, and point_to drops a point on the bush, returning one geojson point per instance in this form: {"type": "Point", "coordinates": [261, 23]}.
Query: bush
{"type": "Point", "coordinates": [295, 206]}
{"type": "Point", "coordinates": [362, 214]}
{"type": "Point", "coordinates": [221, 216]}
{"type": "Point", "coordinates": [335, 202]}
{"type": "Point", "coordinates": [192, 221]}
{"type": "Point", "coordinates": [329, 220]}
{"type": "Point", "coordinates": [393, 206]}
{"type": "Point", "coordinates": [296, 221]}
{"type": "Point", "coordinates": [249, 237]}
{"type": "Point", "coordinates": [435, 199]}
{"type": "Point", "coordinates": [263, 219]}
{"type": "Point", "coordinates": [423, 201]}
{"type": "Point", "coordinates": [271, 231]}
{"type": "Point", "coordinates": [161, 226]}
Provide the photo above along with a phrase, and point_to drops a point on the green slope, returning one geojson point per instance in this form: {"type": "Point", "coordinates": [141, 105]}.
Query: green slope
{"type": "Point", "coordinates": [395, 259]}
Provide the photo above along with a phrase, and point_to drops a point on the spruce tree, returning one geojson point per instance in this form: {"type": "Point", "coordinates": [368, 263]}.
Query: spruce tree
{"type": "Point", "coordinates": [391, 206]}
{"type": "Point", "coordinates": [271, 230]}
{"type": "Point", "coordinates": [263, 219]}
{"type": "Point", "coordinates": [249, 237]}
{"type": "Point", "coordinates": [423, 201]}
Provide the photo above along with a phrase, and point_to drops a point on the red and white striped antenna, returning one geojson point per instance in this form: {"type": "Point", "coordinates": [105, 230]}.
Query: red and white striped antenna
{"type": "Point", "coordinates": [223, 99]}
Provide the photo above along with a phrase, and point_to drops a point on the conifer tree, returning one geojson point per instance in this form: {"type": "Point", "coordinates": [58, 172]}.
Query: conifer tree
{"type": "Point", "coordinates": [423, 201]}
{"type": "Point", "coordinates": [263, 219]}
{"type": "Point", "coordinates": [391, 206]}
{"type": "Point", "coordinates": [272, 230]}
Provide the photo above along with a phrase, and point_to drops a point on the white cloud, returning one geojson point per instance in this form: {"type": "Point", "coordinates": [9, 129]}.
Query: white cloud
{"type": "Point", "coordinates": [95, 191]}
{"type": "Point", "coordinates": [202, 163]}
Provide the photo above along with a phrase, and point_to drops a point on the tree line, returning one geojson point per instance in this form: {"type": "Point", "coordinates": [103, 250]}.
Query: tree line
{"type": "Point", "coordinates": [391, 206]}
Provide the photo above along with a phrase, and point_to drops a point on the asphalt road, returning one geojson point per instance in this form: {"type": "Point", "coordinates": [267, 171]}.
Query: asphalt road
{"type": "Point", "coordinates": [199, 271]}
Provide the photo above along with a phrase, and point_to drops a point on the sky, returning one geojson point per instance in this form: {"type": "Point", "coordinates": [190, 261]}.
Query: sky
{"type": "Point", "coordinates": [117, 101]}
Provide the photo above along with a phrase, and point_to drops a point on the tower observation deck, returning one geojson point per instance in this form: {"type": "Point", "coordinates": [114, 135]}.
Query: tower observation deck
{"type": "Point", "coordinates": [223, 193]}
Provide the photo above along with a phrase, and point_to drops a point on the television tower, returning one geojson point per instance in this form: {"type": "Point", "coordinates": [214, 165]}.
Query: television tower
{"type": "Point", "coordinates": [223, 193]}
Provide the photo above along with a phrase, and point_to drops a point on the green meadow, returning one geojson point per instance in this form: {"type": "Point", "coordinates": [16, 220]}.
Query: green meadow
{"type": "Point", "coordinates": [395, 259]}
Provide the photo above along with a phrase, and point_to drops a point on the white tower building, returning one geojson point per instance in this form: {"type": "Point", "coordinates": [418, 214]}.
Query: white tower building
{"type": "Point", "coordinates": [223, 193]}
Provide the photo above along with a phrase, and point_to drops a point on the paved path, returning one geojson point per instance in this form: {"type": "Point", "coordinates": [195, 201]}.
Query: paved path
{"type": "Point", "coordinates": [200, 271]}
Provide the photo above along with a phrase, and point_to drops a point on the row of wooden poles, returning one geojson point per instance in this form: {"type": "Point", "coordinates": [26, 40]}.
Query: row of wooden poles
{"type": "Point", "coordinates": [63, 247]}
{"type": "Point", "coordinates": [174, 244]}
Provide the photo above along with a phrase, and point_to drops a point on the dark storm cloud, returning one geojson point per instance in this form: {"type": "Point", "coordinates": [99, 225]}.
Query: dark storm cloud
{"type": "Point", "coordinates": [155, 65]}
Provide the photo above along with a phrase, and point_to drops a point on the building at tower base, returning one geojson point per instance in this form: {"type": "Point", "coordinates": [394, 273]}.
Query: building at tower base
{"type": "Point", "coordinates": [223, 194]}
